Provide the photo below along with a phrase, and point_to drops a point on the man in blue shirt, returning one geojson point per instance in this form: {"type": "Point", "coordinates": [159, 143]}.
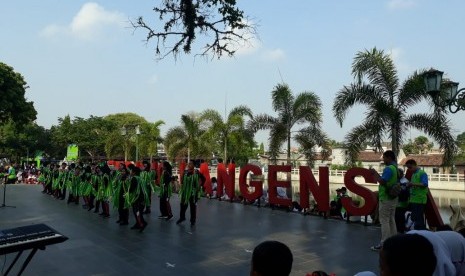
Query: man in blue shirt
{"type": "Point", "coordinates": [387, 204]}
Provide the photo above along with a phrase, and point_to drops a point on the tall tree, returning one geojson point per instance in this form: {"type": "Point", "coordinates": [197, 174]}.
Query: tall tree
{"type": "Point", "coordinates": [223, 24]}
{"type": "Point", "coordinates": [377, 87]}
{"type": "Point", "coordinates": [91, 135]}
{"type": "Point", "coordinates": [461, 146]}
{"type": "Point", "coordinates": [419, 145]}
{"type": "Point", "coordinates": [303, 109]}
{"type": "Point", "coordinates": [150, 138]}
{"type": "Point", "coordinates": [124, 137]}
{"type": "Point", "coordinates": [230, 129]}
{"type": "Point", "coordinates": [13, 104]}
{"type": "Point", "coordinates": [187, 140]}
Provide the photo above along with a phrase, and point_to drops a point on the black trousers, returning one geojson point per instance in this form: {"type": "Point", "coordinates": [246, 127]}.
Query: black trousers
{"type": "Point", "coordinates": [418, 215]}
{"type": "Point", "coordinates": [122, 212]}
{"type": "Point", "coordinates": [165, 206]}
{"type": "Point", "coordinates": [400, 219]}
{"type": "Point", "coordinates": [193, 209]}
{"type": "Point", "coordinates": [137, 210]}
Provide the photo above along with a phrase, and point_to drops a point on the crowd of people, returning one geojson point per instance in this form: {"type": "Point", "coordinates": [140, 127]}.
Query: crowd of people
{"type": "Point", "coordinates": [97, 186]}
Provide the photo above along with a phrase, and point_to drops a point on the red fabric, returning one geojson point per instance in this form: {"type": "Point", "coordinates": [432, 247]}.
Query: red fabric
{"type": "Point", "coordinates": [182, 167]}
{"type": "Point", "coordinates": [220, 168]}
{"type": "Point", "coordinates": [206, 173]}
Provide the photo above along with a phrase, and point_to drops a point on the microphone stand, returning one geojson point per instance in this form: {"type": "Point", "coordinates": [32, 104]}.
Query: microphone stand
{"type": "Point", "coordinates": [4, 195]}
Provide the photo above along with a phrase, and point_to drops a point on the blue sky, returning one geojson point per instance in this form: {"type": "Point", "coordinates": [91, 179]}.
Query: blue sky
{"type": "Point", "coordinates": [81, 58]}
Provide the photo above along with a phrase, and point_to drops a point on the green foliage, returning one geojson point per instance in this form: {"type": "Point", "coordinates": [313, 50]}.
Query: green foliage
{"type": "Point", "coordinates": [304, 110]}
{"type": "Point", "coordinates": [340, 167]}
{"type": "Point", "coordinates": [13, 105]}
{"type": "Point", "coordinates": [233, 138]}
{"type": "Point", "coordinates": [460, 141]}
{"type": "Point", "coordinates": [377, 86]}
{"type": "Point", "coordinates": [101, 137]}
{"type": "Point", "coordinates": [29, 139]}
{"type": "Point", "coordinates": [420, 145]}
{"type": "Point", "coordinates": [189, 140]}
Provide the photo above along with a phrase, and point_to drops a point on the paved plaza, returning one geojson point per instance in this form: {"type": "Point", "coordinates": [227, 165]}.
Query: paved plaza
{"type": "Point", "coordinates": [220, 244]}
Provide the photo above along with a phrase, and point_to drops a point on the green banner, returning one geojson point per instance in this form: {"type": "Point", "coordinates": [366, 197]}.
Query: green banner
{"type": "Point", "coordinates": [72, 153]}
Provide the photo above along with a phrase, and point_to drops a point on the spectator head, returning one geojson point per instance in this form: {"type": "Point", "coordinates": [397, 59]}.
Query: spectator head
{"type": "Point", "coordinates": [389, 156]}
{"type": "Point", "coordinates": [407, 254]}
{"type": "Point", "coordinates": [271, 258]}
{"type": "Point", "coordinates": [214, 180]}
{"type": "Point", "coordinates": [411, 164]}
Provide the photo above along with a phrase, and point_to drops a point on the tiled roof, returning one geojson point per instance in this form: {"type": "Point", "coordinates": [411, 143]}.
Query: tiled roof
{"type": "Point", "coordinates": [370, 156]}
{"type": "Point", "coordinates": [425, 160]}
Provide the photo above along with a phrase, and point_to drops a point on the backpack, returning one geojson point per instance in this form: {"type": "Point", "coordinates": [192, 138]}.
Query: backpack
{"type": "Point", "coordinates": [394, 190]}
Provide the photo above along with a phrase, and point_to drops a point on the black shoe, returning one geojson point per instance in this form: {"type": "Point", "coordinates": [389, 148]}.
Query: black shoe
{"type": "Point", "coordinates": [143, 227]}
{"type": "Point", "coordinates": [192, 223]}
{"type": "Point", "coordinates": [180, 220]}
{"type": "Point", "coordinates": [106, 216]}
{"type": "Point", "coordinates": [96, 211]}
{"type": "Point", "coordinates": [162, 217]}
{"type": "Point", "coordinates": [118, 221]}
{"type": "Point", "coordinates": [124, 223]}
{"type": "Point", "coordinates": [169, 217]}
{"type": "Point", "coordinates": [135, 226]}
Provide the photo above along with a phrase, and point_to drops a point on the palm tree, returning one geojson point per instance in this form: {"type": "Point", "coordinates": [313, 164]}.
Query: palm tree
{"type": "Point", "coordinates": [150, 137]}
{"type": "Point", "coordinates": [303, 109]}
{"type": "Point", "coordinates": [226, 130]}
{"type": "Point", "coordinates": [186, 139]}
{"type": "Point", "coordinates": [377, 87]}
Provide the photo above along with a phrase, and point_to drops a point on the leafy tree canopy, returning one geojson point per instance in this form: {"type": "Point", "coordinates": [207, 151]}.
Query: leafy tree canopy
{"type": "Point", "coordinates": [13, 104]}
{"type": "Point", "coordinates": [419, 145]}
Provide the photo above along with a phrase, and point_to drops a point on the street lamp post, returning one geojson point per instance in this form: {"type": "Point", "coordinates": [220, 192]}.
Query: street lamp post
{"type": "Point", "coordinates": [444, 93]}
{"type": "Point", "coordinates": [124, 132]}
{"type": "Point", "coordinates": [137, 143]}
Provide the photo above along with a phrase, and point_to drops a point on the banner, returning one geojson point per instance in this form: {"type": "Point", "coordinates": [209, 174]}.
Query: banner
{"type": "Point", "coordinates": [72, 153]}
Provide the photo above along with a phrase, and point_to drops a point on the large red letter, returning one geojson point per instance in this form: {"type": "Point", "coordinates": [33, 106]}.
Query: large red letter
{"type": "Point", "coordinates": [432, 215]}
{"type": "Point", "coordinates": [206, 173]}
{"type": "Point", "coordinates": [365, 193]}
{"type": "Point", "coordinates": [224, 180]}
{"type": "Point", "coordinates": [320, 192]}
{"type": "Point", "coordinates": [257, 184]}
{"type": "Point", "coordinates": [273, 183]}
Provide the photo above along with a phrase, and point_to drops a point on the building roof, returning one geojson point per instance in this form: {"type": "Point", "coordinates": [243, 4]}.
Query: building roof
{"type": "Point", "coordinates": [370, 156]}
{"type": "Point", "coordinates": [425, 160]}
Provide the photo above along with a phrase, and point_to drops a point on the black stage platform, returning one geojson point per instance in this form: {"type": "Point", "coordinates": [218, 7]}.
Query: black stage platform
{"type": "Point", "coordinates": [220, 244]}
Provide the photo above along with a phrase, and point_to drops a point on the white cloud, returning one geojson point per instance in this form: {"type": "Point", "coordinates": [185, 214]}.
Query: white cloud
{"type": "Point", "coordinates": [400, 4]}
{"type": "Point", "coordinates": [88, 23]}
{"type": "Point", "coordinates": [273, 55]}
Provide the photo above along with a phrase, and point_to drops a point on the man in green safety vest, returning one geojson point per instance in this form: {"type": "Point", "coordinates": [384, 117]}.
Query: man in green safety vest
{"type": "Point", "coordinates": [11, 176]}
{"type": "Point", "coordinates": [418, 194]}
{"type": "Point", "coordinates": [387, 204]}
